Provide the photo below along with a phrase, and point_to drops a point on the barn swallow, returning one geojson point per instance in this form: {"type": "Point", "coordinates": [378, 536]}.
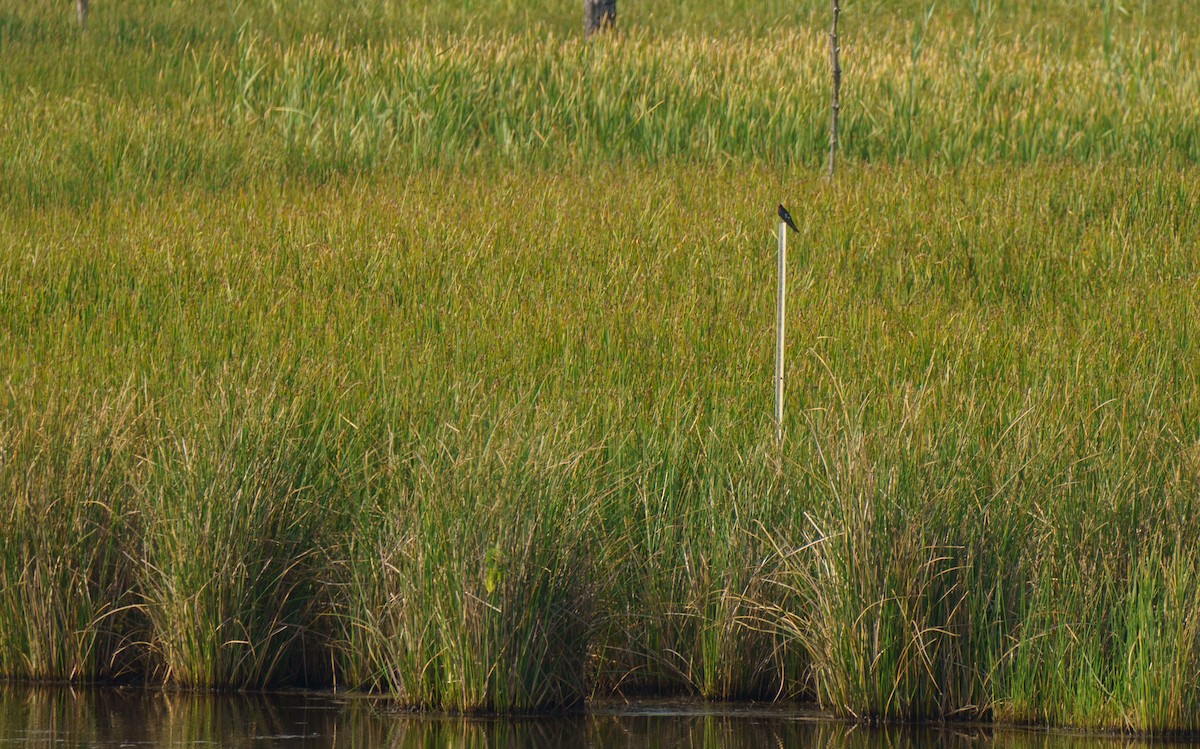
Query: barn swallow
{"type": "Point", "coordinates": [787, 217]}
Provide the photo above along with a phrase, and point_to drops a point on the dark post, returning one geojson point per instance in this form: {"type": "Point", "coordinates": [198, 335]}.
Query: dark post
{"type": "Point", "coordinates": [837, 86]}
{"type": "Point", "coordinates": [81, 6]}
{"type": "Point", "coordinates": [599, 15]}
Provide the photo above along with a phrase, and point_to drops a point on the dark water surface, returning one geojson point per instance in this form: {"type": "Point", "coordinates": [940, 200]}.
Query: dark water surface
{"type": "Point", "coordinates": [141, 718]}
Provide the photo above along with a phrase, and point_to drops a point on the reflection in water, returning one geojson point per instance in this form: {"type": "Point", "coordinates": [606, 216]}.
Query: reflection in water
{"type": "Point", "coordinates": [141, 718]}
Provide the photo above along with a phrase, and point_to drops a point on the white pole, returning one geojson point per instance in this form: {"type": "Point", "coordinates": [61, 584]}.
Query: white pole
{"type": "Point", "coordinates": [779, 332]}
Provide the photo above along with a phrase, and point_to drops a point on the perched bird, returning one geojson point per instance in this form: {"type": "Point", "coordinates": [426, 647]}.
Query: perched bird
{"type": "Point", "coordinates": [787, 217]}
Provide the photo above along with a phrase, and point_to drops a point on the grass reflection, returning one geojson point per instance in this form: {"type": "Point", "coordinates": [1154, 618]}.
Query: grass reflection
{"type": "Point", "coordinates": [51, 717]}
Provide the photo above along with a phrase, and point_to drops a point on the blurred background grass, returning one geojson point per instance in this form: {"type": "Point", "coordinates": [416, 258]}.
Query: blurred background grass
{"type": "Point", "coordinates": [214, 95]}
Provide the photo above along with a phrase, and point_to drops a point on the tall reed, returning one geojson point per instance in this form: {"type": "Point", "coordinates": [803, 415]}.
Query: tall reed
{"type": "Point", "coordinates": [231, 533]}
{"type": "Point", "coordinates": [467, 585]}
{"type": "Point", "coordinates": [67, 597]}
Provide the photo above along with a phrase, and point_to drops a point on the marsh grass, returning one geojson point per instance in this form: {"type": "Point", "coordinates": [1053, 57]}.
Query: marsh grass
{"type": "Point", "coordinates": [1051, 597]}
{"type": "Point", "coordinates": [489, 472]}
{"type": "Point", "coordinates": [320, 364]}
{"type": "Point", "coordinates": [67, 604]}
{"type": "Point", "coordinates": [231, 530]}
{"type": "Point", "coordinates": [557, 477]}
{"type": "Point", "coordinates": [682, 591]}
{"type": "Point", "coordinates": [900, 600]}
{"type": "Point", "coordinates": [153, 97]}
{"type": "Point", "coordinates": [468, 586]}
{"type": "Point", "coordinates": [1099, 624]}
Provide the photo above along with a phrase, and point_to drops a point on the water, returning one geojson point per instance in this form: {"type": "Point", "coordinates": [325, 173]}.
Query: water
{"type": "Point", "coordinates": [140, 718]}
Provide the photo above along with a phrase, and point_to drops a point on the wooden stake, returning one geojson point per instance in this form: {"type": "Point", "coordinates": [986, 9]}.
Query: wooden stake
{"type": "Point", "coordinates": [837, 87]}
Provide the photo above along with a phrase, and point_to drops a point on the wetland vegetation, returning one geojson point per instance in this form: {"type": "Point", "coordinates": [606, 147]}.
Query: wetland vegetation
{"type": "Point", "coordinates": [429, 351]}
